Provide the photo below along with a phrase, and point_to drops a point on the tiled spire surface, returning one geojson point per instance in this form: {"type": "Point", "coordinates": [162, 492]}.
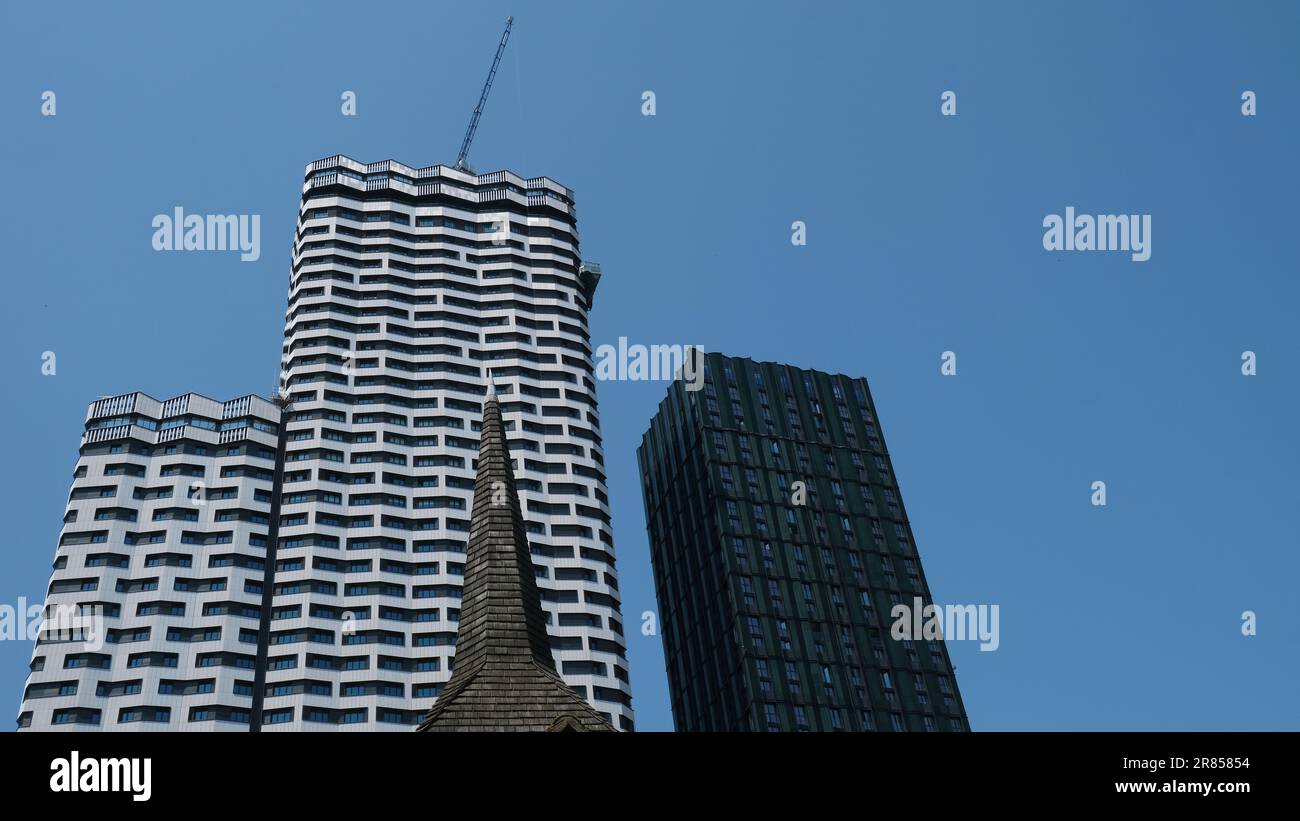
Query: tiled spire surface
{"type": "Point", "coordinates": [504, 676]}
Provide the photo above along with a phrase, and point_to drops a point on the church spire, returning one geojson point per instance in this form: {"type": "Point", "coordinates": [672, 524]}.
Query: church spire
{"type": "Point", "coordinates": [504, 674]}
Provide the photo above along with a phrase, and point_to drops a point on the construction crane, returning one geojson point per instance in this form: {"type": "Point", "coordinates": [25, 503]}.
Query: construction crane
{"type": "Point", "coordinates": [461, 164]}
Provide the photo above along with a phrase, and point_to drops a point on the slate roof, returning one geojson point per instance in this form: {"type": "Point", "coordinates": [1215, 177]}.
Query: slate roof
{"type": "Point", "coordinates": [503, 676]}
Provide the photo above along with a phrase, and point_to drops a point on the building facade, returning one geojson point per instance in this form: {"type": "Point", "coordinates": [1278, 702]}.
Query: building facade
{"type": "Point", "coordinates": [407, 287]}
{"type": "Point", "coordinates": [162, 560]}
{"type": "Point", "coordinates": [780, 544]}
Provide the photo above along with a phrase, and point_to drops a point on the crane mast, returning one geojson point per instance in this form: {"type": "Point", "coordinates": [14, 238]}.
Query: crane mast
{"type": "Point", "coordinates": [461, 158]}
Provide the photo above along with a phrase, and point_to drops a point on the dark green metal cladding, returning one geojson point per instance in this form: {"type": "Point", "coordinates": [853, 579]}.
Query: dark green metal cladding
{"type": "Point", "coordinates": [779, 544]}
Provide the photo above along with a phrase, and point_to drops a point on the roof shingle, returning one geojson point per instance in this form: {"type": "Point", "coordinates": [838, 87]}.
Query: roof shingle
{"type": "Point", "coordinates": [503, 676]}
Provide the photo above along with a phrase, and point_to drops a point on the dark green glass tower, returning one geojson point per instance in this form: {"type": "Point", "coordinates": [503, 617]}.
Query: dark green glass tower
{"type": "Point", "coordinates": [780, 544]}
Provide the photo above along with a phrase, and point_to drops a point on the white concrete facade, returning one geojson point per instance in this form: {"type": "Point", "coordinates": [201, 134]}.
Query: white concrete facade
{"type": "Point", "coordinates": [166, 533]}
{"type": "Point", "coordinates": [407, 286]}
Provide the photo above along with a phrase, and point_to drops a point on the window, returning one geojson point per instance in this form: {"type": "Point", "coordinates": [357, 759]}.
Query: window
{"type": "Point", "coordinates": [733, 516]}
{"type": "Point", "coordinates": [742, 555]}
{"type": "Point", "coordinates": [747, 591]}
{"type": "Point", "coordinates": [764, 677]}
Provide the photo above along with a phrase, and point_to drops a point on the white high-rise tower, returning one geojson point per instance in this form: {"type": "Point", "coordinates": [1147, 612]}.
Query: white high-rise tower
{"type": "Point", "coordinates": [408, 286]}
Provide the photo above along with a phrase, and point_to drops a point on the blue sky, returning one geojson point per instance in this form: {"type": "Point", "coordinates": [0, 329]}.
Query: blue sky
{"type": "Point", "coordinates": [924, 235]}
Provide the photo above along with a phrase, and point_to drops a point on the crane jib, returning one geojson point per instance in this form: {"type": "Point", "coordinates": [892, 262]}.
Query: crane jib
{"type": "Point", "coordinates": [482, 99]}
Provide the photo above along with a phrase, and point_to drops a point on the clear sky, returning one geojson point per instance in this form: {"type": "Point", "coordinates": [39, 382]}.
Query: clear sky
{"type": "Point", "coordinates": [924, 234]}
